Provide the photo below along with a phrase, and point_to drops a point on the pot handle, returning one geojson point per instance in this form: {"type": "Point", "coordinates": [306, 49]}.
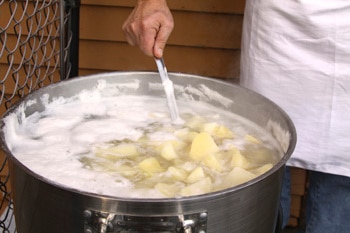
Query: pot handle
{"type": "Point", "coordinates": [102, 222]}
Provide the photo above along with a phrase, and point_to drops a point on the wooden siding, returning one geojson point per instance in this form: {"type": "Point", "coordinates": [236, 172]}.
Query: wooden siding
{"type": "Point", "coordinates": [205, 41]}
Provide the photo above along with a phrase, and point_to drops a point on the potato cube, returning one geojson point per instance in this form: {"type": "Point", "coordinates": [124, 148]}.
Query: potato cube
{"type": "Point", "coordinates": [117, 152]}
{"type": "Point", "coordinates": [209, 127]}
{"type": "Point", "coordinates": [191, 135]}
{"type": "Point", "coordinates": [238, 160]}
{"type": "Point", "coordinates": [196, 175]}
{"type": "Point", "coordinates": [151, 165]}
{"type": "Point", "coordinates": [195, 123]}
{"type": "Point", "coordinates": [224, 132]}
{"type": "Point", "coordinates": [185, 134]}
{"type": "Point", "coordinates": [168, 190]}
{"type": "Point", "coordinates": [200, 187]}
{"type": "Point", "coordinates": [252, 139]}
{"type": "Point", "coordinates": [168, 152]}
{"type": "Point", "coordinates": [212, 162]}
{"type": "Point", "coordinates": [177, 173]}
{"type": "Point", "coordinates": [217, 130]}
{"type": "Point", "coordinates": [178, 145]}
{"type": "Point", "coordinates": [189, 166]}
{"type": "Point", "coordinates": [238, 176]}
{"type": "Point", "coordinates": [203, 144]}
{"type": "Point", "coordinates": [182, 133]}
{"type": "Point", "coordinates": [261, 170]}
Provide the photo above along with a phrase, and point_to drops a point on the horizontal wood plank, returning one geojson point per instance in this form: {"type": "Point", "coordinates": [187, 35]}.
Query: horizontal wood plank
{"type": "Point", "coordinates": [191, 29]}
{"type": "Point", "coordinates": [222, 63]}
{"type": "Point", "coordinates": [215, 6]}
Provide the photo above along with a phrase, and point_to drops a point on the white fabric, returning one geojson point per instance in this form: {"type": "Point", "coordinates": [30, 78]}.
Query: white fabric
{"type": "Point", "coordinates": [297, 53]}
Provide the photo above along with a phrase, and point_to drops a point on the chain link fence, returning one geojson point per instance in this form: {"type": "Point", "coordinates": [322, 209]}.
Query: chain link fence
{"type": "Point", "coordinates": [35, 38]}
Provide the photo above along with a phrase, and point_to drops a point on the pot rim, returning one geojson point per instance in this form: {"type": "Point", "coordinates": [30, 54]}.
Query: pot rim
{"type": "Point", "coordinates": [216, 194]}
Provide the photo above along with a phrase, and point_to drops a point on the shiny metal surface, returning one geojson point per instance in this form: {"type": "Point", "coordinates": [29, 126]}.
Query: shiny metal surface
{"type": "Point", "coordinates": [100, 222]}
{"type": "Point", "coordinates": [42, 206]}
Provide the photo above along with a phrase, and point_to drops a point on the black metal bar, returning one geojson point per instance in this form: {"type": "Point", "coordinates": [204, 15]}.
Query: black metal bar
{"type": "Point", "coordinates": [74, 7]}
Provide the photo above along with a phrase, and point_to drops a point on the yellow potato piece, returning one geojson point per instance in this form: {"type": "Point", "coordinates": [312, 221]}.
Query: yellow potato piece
{"type": "Point", "coordinates": [212, 162]}
{"type": "Point", "coordinates": [209, 127]}
{"type": "Point", "coordinates": [195, 123]}
{"type": "Point", "coordinates": [191, 135]}
{"type": "Point", "coordinates": [182, 133]}
{"type": "Point", "coordinates": [177, 173]}
{"type": "Point", "coordinates": [119, 151]}
{"type": "Point", "coordinates": [261, 170]}
{"type": "Point", "coordinates": [168, 152]}
{"type": "Point", "coordinates": [238, 160]}
{"type": "Point", "coordinates": [203, 144]}
{"type": "Point", "coordinates": [217, 130]}
{"type": "Point", "coordinates": [200, 187]}
{"type": "Point", "coordinates": [252, 139]}
{"type": "Point", "coordinates": [178, 145]}
{"type": "Point", "coordinates": [151, 165]}
{"type": "Point", "coordinates": [224, 132]}
{"type": "Point", "coordinates": [185, 134]}
{"type": "Point", "coordinates": [196, 175]}
{"type": "Point", "coordinates": [168, 190]}
{"type": "Point", "coordinates": [238, 176]}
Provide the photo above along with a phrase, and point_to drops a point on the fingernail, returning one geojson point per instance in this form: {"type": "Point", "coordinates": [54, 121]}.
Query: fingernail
{"type": "Point", "coordinates": [160, 52]}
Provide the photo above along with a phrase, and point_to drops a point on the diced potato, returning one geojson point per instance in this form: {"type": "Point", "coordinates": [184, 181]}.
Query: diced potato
{"type": "Point", "coordinates": [238, 160]}
{"type": "Point", "coordinates": [191, 135]}
{"type": "Point", "coordinates": [261, 170]}
{"type": "Point", "coordinates": [217, 130]}
{"type": "Point", "coordinates": [178, 145]}
{"type": "Point", "coordinates": [209, 127]}
{"type": "Point", "coordinates": [195, 123]}
{"type": "Point", "coordinates": [238, 176]}
{"type": "Point", "coordinates": [151, 165]}
{"type": "Point", "coordinates": [196, 175]}
{"type": "Point", "coordinates": [177, 173]}
{"type": "Point", "coordinates": [200, 187]}
{"type": "Point", "coordinates": [189, 166]}
{"type": "Point", "coordinates": [185, 134]}
{"type": "Point", "coordinates": [117, 152]}
{"type": "Point", "coordinates": [252, 139]}
{"type": "Point", "coordinates": [129, 174]}
{"type": "Point", "coordinates": [203, 144]}
{"type": "Point", "coordinates": [263, 156]}
{"type": "Point", "coordinates": [168, 152]}
{"type": "Point", "coordinates": [224, 132]}
{"type": "Point", "coordinates": [169, 190]}
{"type": "Point", "coordinates": [212, 162]}
{"type": "Point", "coordinates": [126, 171]}
{"type": "Point", "coordinates": [182, 133]}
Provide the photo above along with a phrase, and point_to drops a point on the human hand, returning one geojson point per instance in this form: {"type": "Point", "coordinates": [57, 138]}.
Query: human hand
{"type": "Point", "coordinates": [149, 26]}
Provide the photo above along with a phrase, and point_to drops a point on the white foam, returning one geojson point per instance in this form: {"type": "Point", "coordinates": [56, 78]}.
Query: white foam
{"type": "Point", "coordinates": [53, 142]}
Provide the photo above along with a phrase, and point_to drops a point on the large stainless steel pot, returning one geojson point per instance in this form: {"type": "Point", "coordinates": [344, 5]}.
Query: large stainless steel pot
{"type": "Point", "coordinates": [42, 207]}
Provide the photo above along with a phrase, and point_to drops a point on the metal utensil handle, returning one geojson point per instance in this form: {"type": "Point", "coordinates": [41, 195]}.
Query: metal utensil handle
{"type": "Point", "coordinates": [168, 88]}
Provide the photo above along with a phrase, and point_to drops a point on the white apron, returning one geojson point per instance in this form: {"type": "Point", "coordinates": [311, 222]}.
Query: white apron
{"type": "Point", "coordinates": [297, 53]}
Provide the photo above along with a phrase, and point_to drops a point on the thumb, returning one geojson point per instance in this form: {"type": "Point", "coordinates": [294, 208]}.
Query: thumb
{"type": "Point", "coordinates": [158, 49]}
{"type": "Point", "coordinates": [160, 42]}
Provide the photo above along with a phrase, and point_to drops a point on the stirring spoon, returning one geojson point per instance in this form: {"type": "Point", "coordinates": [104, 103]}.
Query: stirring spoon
{"type": "Point", "coordinates": [168, 88]}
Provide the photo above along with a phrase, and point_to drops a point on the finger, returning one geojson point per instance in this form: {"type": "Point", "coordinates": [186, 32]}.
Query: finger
{"type": "Point", "coordinates": [147, 41]}
{"type": "Point", "coordinates": [128, 33]}
{"type": "Point", "coordinates": [129, 40]}
{"type": "Point", "coordinates": [160, 41]}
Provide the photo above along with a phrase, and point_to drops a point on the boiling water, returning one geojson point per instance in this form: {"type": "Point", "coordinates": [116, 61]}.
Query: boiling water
{"type": "Point", "coordinates": [79, 143]}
